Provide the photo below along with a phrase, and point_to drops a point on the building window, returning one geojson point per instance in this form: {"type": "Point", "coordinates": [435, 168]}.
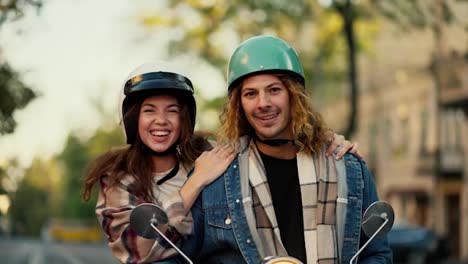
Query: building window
{"type": "Point", "coordinates": [424, 127]}
{"type": "Point", "coordinates": [372, 155]}
{"type": "Point", "coordinates": [387, 137]}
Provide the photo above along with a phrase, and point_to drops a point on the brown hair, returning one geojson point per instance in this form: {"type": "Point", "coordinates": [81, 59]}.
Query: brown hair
{"type": "Point", "coordinates": [310, 131]}
{"type": "Point", "coordinates": [133, 160]}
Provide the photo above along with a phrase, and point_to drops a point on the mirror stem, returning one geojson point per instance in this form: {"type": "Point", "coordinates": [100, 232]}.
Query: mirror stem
{"type": "Point", "coordinates": [369, 240]}
{"type": "Point", "coordinates": [172, 244]}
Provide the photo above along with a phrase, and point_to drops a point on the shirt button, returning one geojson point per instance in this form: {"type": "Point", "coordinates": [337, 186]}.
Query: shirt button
{"type": "Point", "coordinates": [237, 201]}
{"type": "Point", "coordinates": [234, 166]}
{"type": "Point", "coordinates": [227, 221]}
{"type": "Point", "coordinates": [248, 241]}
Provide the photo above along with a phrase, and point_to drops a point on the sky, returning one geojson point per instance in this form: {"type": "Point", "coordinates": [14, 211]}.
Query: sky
{"type": "Point", "coordinates": [74, 53]}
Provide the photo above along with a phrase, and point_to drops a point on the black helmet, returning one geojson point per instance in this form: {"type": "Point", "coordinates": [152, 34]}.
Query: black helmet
{"type": "Point", "coordinates": [154, 79]}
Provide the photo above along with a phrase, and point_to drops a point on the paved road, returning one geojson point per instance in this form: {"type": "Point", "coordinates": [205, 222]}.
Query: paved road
{"type": "Point", "coordinates": [26, 251]}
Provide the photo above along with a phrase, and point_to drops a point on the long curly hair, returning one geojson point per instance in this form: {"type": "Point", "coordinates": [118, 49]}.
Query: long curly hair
{"type": "Point", "coordinates": [309, 129]}
{"type": "Point", "coordinates": [134, 160]}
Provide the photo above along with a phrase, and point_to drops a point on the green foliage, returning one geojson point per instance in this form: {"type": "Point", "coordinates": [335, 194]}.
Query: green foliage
{"type": "Point", "coordinates": [51, 189]}
{"type": "Point", "coordinates": [207, 28]}
{"type": "Point", "coordinates": [10, 171]}
{"type": "Point", "coordinates": [35, 200]}
{"type": "Point", "coordinates": [29, 219]}
{"type": "Point", "coordinates": [14, 95]}
{"type": "Point", "coordinates": [13, 9]}
{"type": "Point", "coordinates": [245, 18]}
{"type": "Point", "coordinates": [215, 103]}
{"type": "Point", "coordinates": [203, 36]}
{"type": "Point", "coordinates": [103, 140]}
{"type": "Point", "coordinates": [75, 158]}
{"type": "Point", "coordinates": [328, 38]}
{"type": "Point", "coordinates": [2, 177]}
{"type": "Point", "coordinates": [28, 211]}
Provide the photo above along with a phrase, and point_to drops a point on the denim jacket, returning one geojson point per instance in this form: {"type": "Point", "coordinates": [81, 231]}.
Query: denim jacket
{"type": "Point", "coordinates": [223, 230]}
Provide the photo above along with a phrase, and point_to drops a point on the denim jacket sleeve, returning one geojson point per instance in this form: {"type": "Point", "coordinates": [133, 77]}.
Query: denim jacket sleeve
{"type": "Point", "coordinates": [378, 251]}
{"type": "Point", "coordinates": [193, 242]}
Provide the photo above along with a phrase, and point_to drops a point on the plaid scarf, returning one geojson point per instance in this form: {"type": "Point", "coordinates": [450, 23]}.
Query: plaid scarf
{"type": "Point", "coordinates": [318, 184]}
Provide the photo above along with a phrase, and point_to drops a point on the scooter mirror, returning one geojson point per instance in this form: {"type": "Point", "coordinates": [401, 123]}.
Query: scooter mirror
{"type": "Point", "coordinates": [375, 216]}
{"type": "Point", "coordinates": [146, 214]}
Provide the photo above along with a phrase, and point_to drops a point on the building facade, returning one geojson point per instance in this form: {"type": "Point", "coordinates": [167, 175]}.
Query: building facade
{"type": "Point", "coordinates": [413, 127]}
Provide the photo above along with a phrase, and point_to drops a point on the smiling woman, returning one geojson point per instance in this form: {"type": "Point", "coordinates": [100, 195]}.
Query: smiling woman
{"type": "Point", "coordinates": [159, 122]}
{"type": "Point", "coordinates": [158, 115]}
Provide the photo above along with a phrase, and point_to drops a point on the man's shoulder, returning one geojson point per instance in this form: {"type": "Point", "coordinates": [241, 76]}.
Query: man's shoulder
{"type": "Point", "coordinates": [352, 158]}
{"type": "Point", "coordinates": [354, 164]}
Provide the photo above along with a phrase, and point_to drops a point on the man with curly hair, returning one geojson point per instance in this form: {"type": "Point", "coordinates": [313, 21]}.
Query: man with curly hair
{"type": "Point", "coordinates": [283, 195]}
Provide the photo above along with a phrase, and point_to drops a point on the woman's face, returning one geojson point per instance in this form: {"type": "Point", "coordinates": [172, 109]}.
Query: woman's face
{"type": "Point", "coordinates": [159, 122]}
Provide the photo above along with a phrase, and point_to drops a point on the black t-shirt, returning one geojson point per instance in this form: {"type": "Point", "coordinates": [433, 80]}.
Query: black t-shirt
{"type": "Point", "coordinates": [283, 180]}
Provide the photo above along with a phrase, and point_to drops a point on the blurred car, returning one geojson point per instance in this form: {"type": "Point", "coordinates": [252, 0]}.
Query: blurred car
{"type": "Point", "coordinates": [416, 245]}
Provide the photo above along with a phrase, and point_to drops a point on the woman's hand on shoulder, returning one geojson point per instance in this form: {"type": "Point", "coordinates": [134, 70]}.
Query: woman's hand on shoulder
{"type": "Point", "coordinates": [341, 146]}
{"type": "Point", "coordinates": [211, 164]}
{"type": "Point", "coordinates": [208, 167]}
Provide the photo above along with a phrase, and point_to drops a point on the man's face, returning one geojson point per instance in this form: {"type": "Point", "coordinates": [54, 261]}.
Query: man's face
{"type": "Point", "coordinates": [265, 100]}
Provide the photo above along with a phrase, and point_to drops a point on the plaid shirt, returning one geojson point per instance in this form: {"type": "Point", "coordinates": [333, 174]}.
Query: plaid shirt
{"type": "Point", "coordinates": [113, 209]}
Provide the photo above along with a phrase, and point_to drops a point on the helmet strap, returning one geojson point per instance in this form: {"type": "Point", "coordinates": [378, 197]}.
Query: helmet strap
{"type": "Point", "coordinates": [170, 175]}
{"type": "Point", "coordinates": [275, 142]}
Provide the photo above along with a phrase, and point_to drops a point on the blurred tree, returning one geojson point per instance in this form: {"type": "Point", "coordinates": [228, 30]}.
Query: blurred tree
{"type": "Point", "coordinates": [348, 15]}
{"type": "Point", "coordinates": [75, 158]}
{"type": "Point", "coordinates": [14, 94]}
{"type": "Point", "coordinates": [406, 13]}
{"type": "Point", "coordinates": [208, 26]}
{"type": "Point", "coordinates": [326, 33]}
{"type": "Point", "coordinates": [14, 9]}
{"type": "Point", "coordinates": [51, 189]}
{"type": "Point", "coordinates": [31, 204]}
{"type": "Point", "coordinates": [46, 176]}
{"type": "Point", "coordinates": [10, 174]}
{"type": "Point", "coordinates": [28, 210]}
{"type": "Point", "coordinates": [2, 178]}
{"type": "Point", "coordinates": [104, 139]}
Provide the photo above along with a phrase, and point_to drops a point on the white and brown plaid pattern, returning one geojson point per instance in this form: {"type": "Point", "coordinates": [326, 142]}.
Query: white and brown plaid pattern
{"type": "Point", "coordinates": [113, 209]}
{"type": "Point", "coordinates": [318, 183]}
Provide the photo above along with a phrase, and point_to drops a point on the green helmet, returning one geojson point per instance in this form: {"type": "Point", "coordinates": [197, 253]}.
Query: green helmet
{"type": "Point", "coordinates": [263, 54]}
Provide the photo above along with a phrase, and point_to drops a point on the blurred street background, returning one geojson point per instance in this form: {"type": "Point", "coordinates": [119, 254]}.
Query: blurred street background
{"type": "Point", "coordinates": [32, 251]}
{"type": "Point", "coordinates": [391, 75]}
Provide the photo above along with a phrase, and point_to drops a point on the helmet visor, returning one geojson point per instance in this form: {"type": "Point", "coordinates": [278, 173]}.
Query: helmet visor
{"type": "Point", "coordinates": [157, 80]}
